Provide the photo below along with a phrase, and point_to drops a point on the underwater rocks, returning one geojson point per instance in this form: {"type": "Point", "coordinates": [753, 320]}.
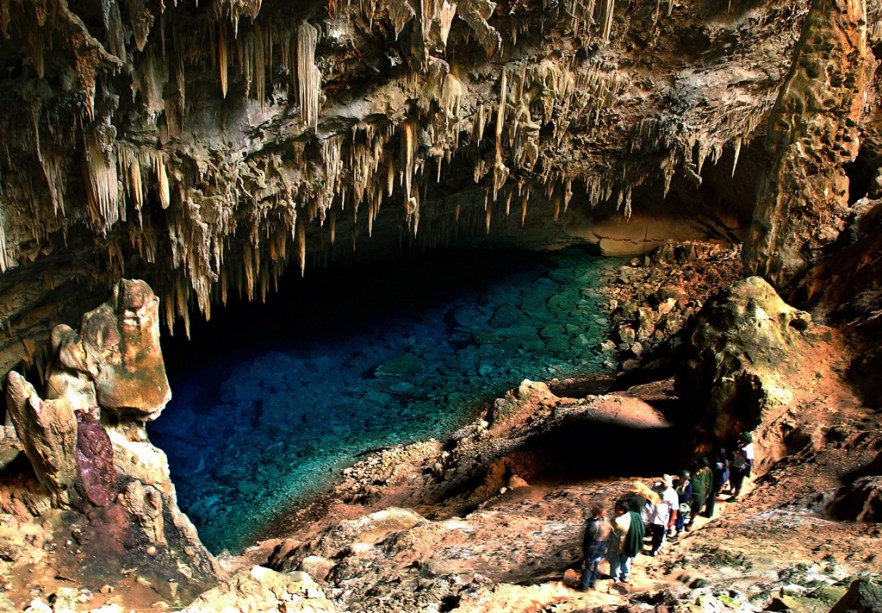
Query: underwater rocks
{"type": "Point", "coordinates": [298, 411]}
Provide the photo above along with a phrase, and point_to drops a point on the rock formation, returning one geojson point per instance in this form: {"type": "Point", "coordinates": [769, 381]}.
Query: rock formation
{"type": "Point", "coordinates": [108, 491]}
{"type": "Point", "coordinates": [803, 200]}
{"type": "Point", "coordinates": [206, 146]}
{"type": "Point", "coordinates": [209, 147]}
{"type": "Point", "coordinates": [738, 352]}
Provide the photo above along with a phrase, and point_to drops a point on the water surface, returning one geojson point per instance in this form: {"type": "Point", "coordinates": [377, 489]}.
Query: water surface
{"type": "Point", "coordinates": [271, 401]}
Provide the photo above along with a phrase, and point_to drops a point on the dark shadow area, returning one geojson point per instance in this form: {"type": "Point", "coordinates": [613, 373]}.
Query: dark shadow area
{"type": "Point", "coordinates": [339, 302]}
{"type": "Point", "coordinates": [582, 449]}
{"type": "Point", "coordinates": [860, 177]}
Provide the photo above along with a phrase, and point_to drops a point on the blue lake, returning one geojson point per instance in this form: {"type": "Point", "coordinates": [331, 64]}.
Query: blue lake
{"type": "Point", "coordinates": [272, 400]}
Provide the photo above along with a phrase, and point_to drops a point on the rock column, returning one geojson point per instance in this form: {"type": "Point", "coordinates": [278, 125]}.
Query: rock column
{"type": "Point", "coordinates": [802, 202]}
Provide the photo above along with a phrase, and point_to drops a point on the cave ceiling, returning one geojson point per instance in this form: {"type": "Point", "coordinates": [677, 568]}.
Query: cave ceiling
{"type": "Point", "coordinates": [208, 146]}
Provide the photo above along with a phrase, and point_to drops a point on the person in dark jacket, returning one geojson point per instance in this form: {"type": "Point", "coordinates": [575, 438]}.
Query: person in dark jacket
{"type": "Point", "coordinates": [720, 475]}
{"type": "Point", "coordinates": [594, 545]}
{"type": "Point", "coordinates": [684, 494]}
{"type": "Point", "coordinates": [702, 480]}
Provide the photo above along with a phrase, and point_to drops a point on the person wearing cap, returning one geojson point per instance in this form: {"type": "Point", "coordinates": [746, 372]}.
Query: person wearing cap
{"type": "Point", "coordinates": [665, 513]}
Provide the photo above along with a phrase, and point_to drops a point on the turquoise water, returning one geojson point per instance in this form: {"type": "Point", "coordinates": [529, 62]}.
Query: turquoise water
{"type": "Point", "coordinates": [272, 401]}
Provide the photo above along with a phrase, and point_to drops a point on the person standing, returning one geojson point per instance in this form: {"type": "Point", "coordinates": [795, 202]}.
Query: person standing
{"type": "Point", "coordinates": [594, 545]}
{"type": "Point", "coordinates": [701, 485]}
{"type": "Point", "coordinates": [684, 495]}
{"type": "Point", "coordinates": [720, 475]}
{"type": "Point", "coordinates": [626, 542]}
{"type": "Point", "coordinates": [742, 463]}
{"type": "Point", "coordinates": [665, 513]}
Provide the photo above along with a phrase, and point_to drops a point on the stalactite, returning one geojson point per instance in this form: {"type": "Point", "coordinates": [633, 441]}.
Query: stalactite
{"type": "Point", "coordinates": [605, 18]}
{"type": "Point", "coordinates": [5, 19]}
{"type": "Point", "coordinates": [4, 254]}
{"type": "Point", "coordinates": [114, 28]}
{"type": "Point", "coordinates": [500, 170]}
{"type": "Point", "coordinates": [309, 78]}
{"type": "Point", "coordinates": [222, 61]}
{"type": "Point", "coordinates": [99, 169]}
{"type": "Point", "coordinates": [162, 185]}
{"type": "Point", "coordinates": [301, 248]}
{"type": "Point", "coordinates": [408, 152]}
{"type": "Point", "coordinates": [737, 153]}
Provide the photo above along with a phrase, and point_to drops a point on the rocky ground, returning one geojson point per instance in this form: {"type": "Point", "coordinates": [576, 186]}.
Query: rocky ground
{"type": "Point", "coordinates": [491, 518]}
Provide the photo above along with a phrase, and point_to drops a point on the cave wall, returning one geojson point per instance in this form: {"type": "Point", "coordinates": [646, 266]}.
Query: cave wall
{"type": "Point", "coordinates": [205, 147]}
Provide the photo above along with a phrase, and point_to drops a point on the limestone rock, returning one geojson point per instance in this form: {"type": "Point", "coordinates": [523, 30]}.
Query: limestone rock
{"type": "Point", "coordinates": [741, 343]}
{"type": "Point", "coordinates": [121, 339]}
{"type": "Point", "coordinates": [802, 201]}
{"type": "Point", "coordinates": [861, 500]}
{"type": "Point", "coordinates": [262, 589]}
{"type": "Point", "coordinates": [48, 433]}
{"type": "Point", "coordinates": [527, 392]}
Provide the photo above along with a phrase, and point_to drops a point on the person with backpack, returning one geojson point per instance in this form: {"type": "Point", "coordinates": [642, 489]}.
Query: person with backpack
{"type": "Point", "coordinates": [626, 541]}
{"type": "Point", "coordinates": [594, 546]}
{"type": "Point", "coordinates": [742, 463]}
{"type": "Point", "coordinates": [702, 480]}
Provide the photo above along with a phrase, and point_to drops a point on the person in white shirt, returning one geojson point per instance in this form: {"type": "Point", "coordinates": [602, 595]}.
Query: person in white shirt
{"type": "Point", "coordinates": [664, 514]}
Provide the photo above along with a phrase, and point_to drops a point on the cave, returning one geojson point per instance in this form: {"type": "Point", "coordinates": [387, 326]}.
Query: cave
{"type": "Point", "coordinates": [363, 305]}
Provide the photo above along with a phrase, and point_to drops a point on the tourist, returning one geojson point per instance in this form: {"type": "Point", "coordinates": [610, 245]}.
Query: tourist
{"type": "Point", "coordinates": [684, 495]}
{"type": "Point", "coordinates": [702, 480]}
{"type": "Point", "coordinates": [665, 513]}
{"type": "Point", "coordinates": [742, 463]}
{"type": "Point", "coordinates": [626, 541]}
{"type": "Point", "coordinates": [720, 476]}
{"type": "Point", "coordinates": [594, 546]}
{"type": "Point", "coordinates": [643, 500]}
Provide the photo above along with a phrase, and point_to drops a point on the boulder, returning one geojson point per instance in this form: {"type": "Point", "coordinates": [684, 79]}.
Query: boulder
{"type": "Point", "coordinates": [739, 351]}
{"type": "Point", "coordinates": [863, 596]}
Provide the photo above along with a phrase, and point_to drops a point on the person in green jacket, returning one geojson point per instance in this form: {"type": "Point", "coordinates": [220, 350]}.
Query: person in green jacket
{"type": "Point", "coordinates": [626, 541]}
{"type": "Point", "coordinates": [702, 482]}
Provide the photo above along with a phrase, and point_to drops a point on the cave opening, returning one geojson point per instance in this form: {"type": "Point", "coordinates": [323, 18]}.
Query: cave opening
{"type": "Point", "coordinates": [272, 400]}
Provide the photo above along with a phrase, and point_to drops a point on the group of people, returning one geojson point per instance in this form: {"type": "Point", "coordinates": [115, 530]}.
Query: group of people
{"type": "Point", "coordinates": [662, 511]}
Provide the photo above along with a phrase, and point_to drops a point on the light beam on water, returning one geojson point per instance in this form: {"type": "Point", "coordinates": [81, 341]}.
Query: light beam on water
{"type": "Point", "coordinates": [271, 401]}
